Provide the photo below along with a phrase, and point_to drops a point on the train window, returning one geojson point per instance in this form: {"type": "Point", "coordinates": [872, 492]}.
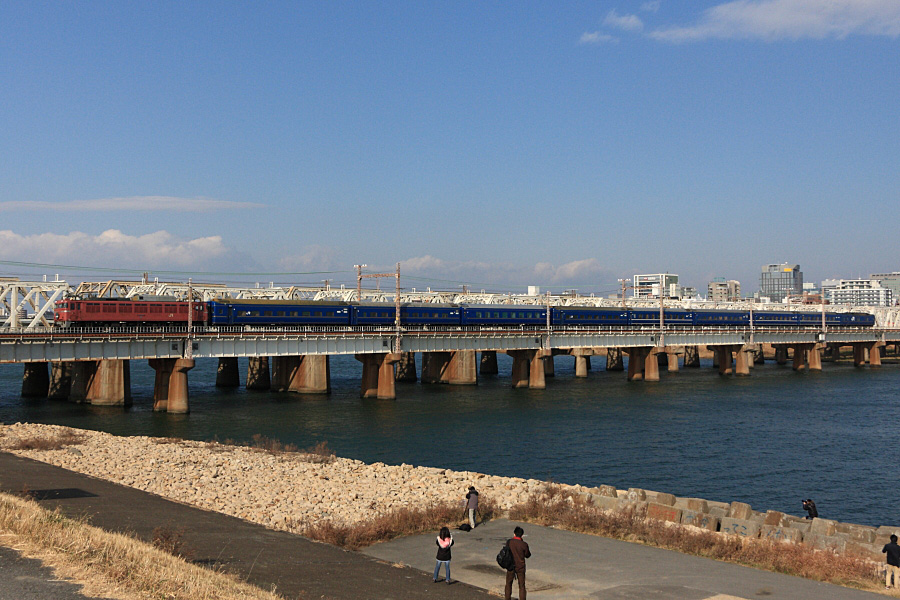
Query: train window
{"type": "Point", "coordinates": [267, 313]}
{"type": "Point", "coordinates": [294, 313]}
{"type": "Point", "coordinates": [155, 308]}
{"type": "Point", "coordinates": [496, 315]}
{"type": "Point", "coordinates": [318, 313]}
{"type": "Point", "coordinates": [254, 313]}
{"type": "Point", "coordinates": [125, 308]}
{"type": "Point", "coordinates": [477, 314]}
{"type": "Point", "coordinates": [280, 313]}
{"type": "Point", "coordinates": [306, 313]}
{"type": "Point", "coordinates": [109, 308]}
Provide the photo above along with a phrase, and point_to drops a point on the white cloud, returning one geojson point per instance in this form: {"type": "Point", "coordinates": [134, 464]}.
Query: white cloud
{"type": "Point", "coordinates": [652, 6]}
{"type": "Point", "coordinates": [585, 272]}
{"type": "Point", "coordinates": [313, 258]}
{"type": "Point", "coordinates": [596, 37]}
{"type": "Point", "coordinates": [132, 203]}
{"type": "Point", "coordinates": [624, 22]}
{"type": "Point", "coordinates": [790, 19]}
{"type": "Point", "coordinates": [112, 248]}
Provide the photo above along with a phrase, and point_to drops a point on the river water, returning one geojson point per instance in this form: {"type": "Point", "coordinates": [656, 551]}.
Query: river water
{"type": "Point", "coordinates": [769, 439]}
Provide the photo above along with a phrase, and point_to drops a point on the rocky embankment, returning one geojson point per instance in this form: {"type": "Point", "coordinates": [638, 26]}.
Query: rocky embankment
{"type": "Point", "coordinates": [281, 491]}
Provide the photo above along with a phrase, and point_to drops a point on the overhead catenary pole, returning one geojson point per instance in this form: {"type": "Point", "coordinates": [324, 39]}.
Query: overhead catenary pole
{"type": "Point", "coordinates": [189, 346]}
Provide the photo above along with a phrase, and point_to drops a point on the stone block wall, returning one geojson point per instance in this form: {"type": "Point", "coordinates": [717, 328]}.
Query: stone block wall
{"type": "Point", "coordinates": [739, 519]}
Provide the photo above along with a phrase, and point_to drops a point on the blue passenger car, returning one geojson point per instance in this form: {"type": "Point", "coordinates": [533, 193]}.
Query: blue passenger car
{"type": "Point", "coordinates": [421, 313]}
{"type": "Point", "coordinates": [278, 312]}
{"type": "Point", "coordinates": [774, 319]}
{"type": "Point", "coordinates": [502, 314]}
{"type": "Point", "coordinates": [418, 313]}
{"type": "Point", "coordinates": [650, 316]}
{"type": "Point", "coordinates": [593, 316]}
{"type": "Point", "coordinates": [857, 320]}
{"type": "Point", "coordinates": [721, 318]}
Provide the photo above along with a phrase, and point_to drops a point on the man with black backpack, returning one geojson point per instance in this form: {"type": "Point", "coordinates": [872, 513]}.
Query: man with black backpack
{"type": "Point", "coordinates": [520, 551]}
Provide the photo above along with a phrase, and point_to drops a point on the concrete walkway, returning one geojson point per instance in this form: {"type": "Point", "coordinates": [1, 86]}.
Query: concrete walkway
{"type": "Point", "coordinates": [570, 566]}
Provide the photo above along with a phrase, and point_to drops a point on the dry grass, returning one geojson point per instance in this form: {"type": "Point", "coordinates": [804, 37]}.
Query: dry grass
{"type": "Point", "coordinates": [394, 524]}
{"type": "Point", "coordinates": [114, 561]}
{"type": "Point", "coordinates": [320, 453]}
{"type": "Point", "coordinates": [65, 437]}
{"type": "Point", "coordinates": [559, 508]}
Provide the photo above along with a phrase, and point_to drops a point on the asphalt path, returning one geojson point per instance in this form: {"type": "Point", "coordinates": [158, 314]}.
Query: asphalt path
{"type": "Point", "coordinates": [27, 579]}
{"type": "Point", "coordinates": [294, 566]}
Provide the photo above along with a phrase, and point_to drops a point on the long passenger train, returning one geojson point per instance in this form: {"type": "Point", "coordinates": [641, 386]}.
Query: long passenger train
{"type": "Point", "coordinates": [221, 312]}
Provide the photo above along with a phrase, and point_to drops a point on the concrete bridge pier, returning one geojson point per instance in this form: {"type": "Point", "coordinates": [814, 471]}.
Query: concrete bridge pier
{"type": "Point", "coordinates": [549, 367]}
{"type": "Point", "coordinates": [800, 352]}
{"type": "Point", "coordinates": [35, 380]}
{"type": "Point", "coordinates": [60, 380]}
{"type": "Point", "coordinates": [781, 355]}
{"type": "Point", "coordinates": [759, 357]}
{"type": "Point", "coordinates": [528, 369]}
{"type": "Point", "coordinates": [283, 369]}
{"type": "Point", "coordinates": [378, 375]}
{"type": "Point", "coordinates": [178, 386]}
{"type": "Point", "coordinates": [83, 372]}
{"type": "Point", "coordinates": [312, 375]}
{"type": "Point", "coordinates": [692, 356]}
{"type": "Point", "coordinates": [102, 382]}
{"type": "Point", "coordinates": [163, 368]}
{"type": "Point", "coordinates": [643, 365]}
{"type": "Point", "coordinates": [671, 359]}
{"type": "Point", "coordinates": [614, 361]}
{"type": "Point", "coordinates": [814, 357]}
{"type": "Point", "coordinates": [406, 368]}
{"type": "Point", "coordinates": [488, 363]}
{"type": "Point", "coordinates": [454, 368]}
{"type": "Point", "coordinates": [743, 360]}
{"type": "Point", "coordinates": [258, 373]}
{"type": "Point", "coordinates": [723, 359]}
{"type": "Point", "coordinates": [582, 360]}
{"type": "Point", "coordinates": [228, 375]}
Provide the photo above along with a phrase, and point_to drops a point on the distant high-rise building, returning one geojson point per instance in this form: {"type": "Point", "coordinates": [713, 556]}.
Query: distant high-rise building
{"type": "Point", "coordinates": [857, 292]}
{"type": "Point", "coordinates": [777, 282]}
{"type": "Point", "coordinates": [890, 281]}
{"type": "Point", "coordinates": [720, 290]}
{"type": "Point", "coordinates": [650, 286]}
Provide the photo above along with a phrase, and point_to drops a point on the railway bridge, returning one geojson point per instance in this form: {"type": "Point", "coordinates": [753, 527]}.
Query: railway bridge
{"type": "Point", "coordinates": [93, 365]}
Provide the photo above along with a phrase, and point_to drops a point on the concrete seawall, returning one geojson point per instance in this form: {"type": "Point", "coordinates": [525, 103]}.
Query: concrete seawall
{"type": "Point", "coordinates": [739, 519]}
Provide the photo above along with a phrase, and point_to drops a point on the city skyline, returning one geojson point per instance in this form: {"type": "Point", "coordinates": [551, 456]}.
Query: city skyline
{"type": "Point", "coordinates": [475, 144]}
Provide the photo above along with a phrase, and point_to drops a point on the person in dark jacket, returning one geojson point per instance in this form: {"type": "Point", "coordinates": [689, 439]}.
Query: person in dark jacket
{"type": "Point", "coordinates": [444, 541]}
{"type": "Point", "coordinates": [892, 569]}
{"type": "Point", "coordinates": [472, 504]}
{"type": "Point", "coordinates": [810, 507]}
{"type": "Point", "coordinates": [520, 552]}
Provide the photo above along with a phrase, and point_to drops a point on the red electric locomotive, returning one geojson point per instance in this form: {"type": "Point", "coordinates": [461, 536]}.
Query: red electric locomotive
{"type": "Point", "coordinates": [126, 312]}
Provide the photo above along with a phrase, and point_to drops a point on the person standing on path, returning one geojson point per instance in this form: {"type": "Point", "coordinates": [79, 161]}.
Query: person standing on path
{"type": "Point", "coordinates": [472, 504]}
{"type": "Point", "coordinates": [520, 552]}
{"type": "Point", "coordinates": [892, 569]}
{"type": "Point", "coordinates": [444, 541]}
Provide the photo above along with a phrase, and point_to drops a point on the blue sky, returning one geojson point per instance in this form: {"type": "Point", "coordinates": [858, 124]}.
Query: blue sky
{"type": "Point", "coordinates": [486, 143]}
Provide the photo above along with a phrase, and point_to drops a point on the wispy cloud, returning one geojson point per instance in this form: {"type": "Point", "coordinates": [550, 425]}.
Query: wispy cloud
{"type": "Point", "coordinates": [789, 19]}
{"type": "Point", "coordinates": [623, 22]}
{"type": "Point", "coordinates": [112, 247]}
{"type": "Point", "coordinates": [595, 37]}
{"type": "Point", "coordinates": [132, 203]}
{"type": "Point", "coordinates": [652, 6]}
{"type": "Point", "coordinates": [312, 258]}
{"type": "Point", "coordinates": [584, 272]}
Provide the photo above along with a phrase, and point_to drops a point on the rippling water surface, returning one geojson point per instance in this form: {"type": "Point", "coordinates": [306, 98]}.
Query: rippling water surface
{"type": "Point", "coordinates": [768, 439]}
